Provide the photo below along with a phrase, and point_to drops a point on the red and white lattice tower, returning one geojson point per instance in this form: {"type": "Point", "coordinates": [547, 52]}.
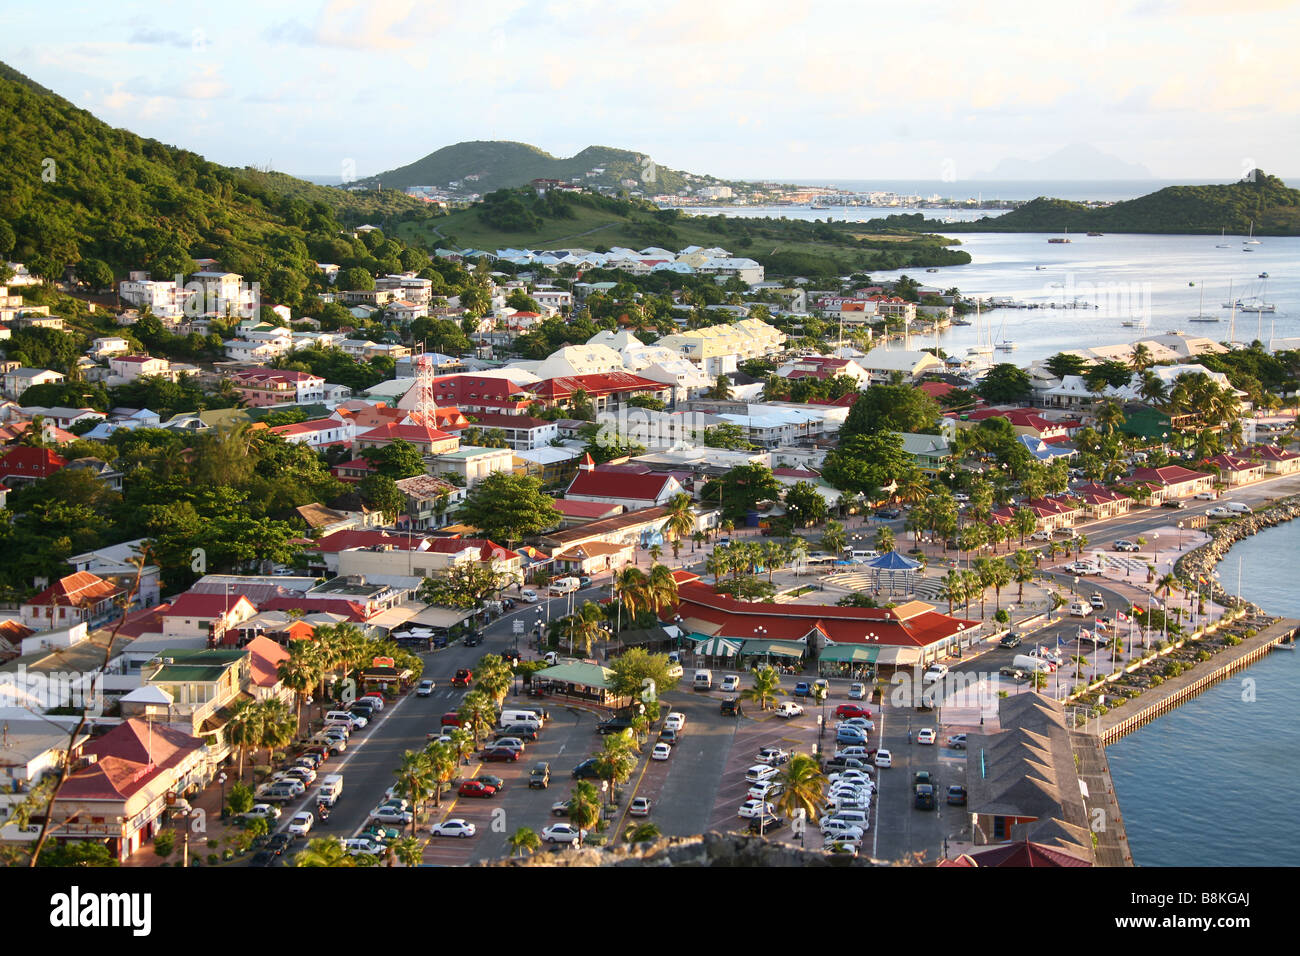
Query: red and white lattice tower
{"type": "Point", "coordinates": [426, 409]}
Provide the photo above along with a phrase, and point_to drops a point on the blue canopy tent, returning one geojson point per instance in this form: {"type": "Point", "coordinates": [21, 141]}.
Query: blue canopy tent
{"type": "Point", "coordinates": [894, 564]}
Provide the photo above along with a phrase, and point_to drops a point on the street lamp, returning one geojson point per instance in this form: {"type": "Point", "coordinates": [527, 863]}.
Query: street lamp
{"type": "Point", "coordinates": [1180, 536]}
{"type": "Point", "coordinates": [221, 779]}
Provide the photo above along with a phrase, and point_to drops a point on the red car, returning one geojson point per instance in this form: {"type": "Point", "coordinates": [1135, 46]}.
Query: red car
{"type": "Point", "coordinates": [501, 753]}
{"type": "Point", "coordinates": [450, 719]}
{"type": "Point", "coordinates": [851, 710]}
{"type": "Point", "coordinates": [463, 677]}
{"type": "Point", "coordinates": [474, 788]}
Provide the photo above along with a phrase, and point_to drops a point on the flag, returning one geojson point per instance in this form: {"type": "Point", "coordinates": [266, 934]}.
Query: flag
{"type": "Point", "coordinates": [1099, 624]}
{"type": "Point", "coordinates": [1085, 634]}
{"type": "Point", "coordinates": [1122, 617]}
{"type": "Point", "coordinates": [1201, 579]}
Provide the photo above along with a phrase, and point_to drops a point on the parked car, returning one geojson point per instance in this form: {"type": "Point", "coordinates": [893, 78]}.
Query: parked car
{"type": "Point", "coordinates": [956, 796]}
{"type": "Point", "coordinates": [300, 824]}
{"type": "Point", "coordinates": [730, 684]}
{"type": "Point", "coordinates": [957, 741]}
{"type": "Point", "coordinates": [1122, 545]}
{"type": "Point", "coordinates": [889, 513]}
{"type": "Point", "coordinates": [539, 778]}
{"type": "Point", "coordinates": [788, 709]}
{"type": "Point", "coordinates": [391, 814]}
{"type": "Point", "coordinates": [675, 721]}
{"type": "Point", "coordinates": [661, 751]}
{"type": "Point", "coordinates": [934, 672]}
{"type": "Point", "coordinates": [475, 788]}
{"type": "Point", "coordinates": [262, 811]}
{"type": "Point", "coordinates": [424, 689]}
{"type": "Point", "coordinates": [491, 781]}
{"type": "Point", "coordinates": [766, 823]}
{"type": "Point", "coordinates": [884, 758]}
{"type": "Point", "coordinates": [587, 770]}
{"type": "Point", "coordinates": [1205, 496]}
{"type": "Point", "coordinates": [1175, 503]}
{"type": "Point", "coordinates": [503, 754]}
{"type": "Point", "coordinates": [730, 707]}
{"type": "Point", "coordinates": [1010, 640]}
{"type": "Point", "coordinates": [670, 736]}
{"type": "Point", "coordinates": [925, 736]}
{"type": "Point", "coordinates": [803, 689]}
{"type": "Point", "coordinates": [614, 725]}
{"type": "Point", "coordinates": [453, 828]}
{"type": "Point", "coordinates": [560, 808]}
{"type": "Point", "coordinates": [563, 833]}
{"type": "Point", "coordinates": [1218, 511]}
{"type": "Point", "coordinates": [358, 846]}
{"type": "Point", "coordinates": [640, 807]}
{"type": "Point", "coordinates": [851, 710]}
{"type": "Point", "coordinates": [752, 808]}
{"type": "Point", "coordinates": [924, 796]}
{"type": "Point", "coordinates": [857, 691]}
{"type": "Point", "coordinates": [773, 756]}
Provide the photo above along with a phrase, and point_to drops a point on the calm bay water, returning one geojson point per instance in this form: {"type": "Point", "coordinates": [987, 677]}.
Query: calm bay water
{"type": "Point", "coordinates": [1211, 783]}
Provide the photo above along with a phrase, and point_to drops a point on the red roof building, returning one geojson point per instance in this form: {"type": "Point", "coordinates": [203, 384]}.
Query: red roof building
{"type": "Point", "coordinates": [1277, 461]}
{"type": "Point", "coordinates": [1236, 471]}
{"type": "Point", "coordinates": [618, 487]}
{"type": "Point", "coordinates": [24, 464]}
{"type": "Point", "coordinates": [478, 393]}
{"type": "Point", "coordinates": [603, 389]}
{"type": "Point", "coordinates": [1173, 481]}
{"type": "Point", "coordinates": [903, 636]}
{"type": "Point", "coordinates": [430, 441]}
{"type": "Point", "coordinates": [76, 599]}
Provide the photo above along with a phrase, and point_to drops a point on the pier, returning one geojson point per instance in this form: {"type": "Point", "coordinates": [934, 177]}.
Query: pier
{"type": "Point", "coordinates": [1115, 724]}
{"type": "Point", "coordinates": [1111, 839]}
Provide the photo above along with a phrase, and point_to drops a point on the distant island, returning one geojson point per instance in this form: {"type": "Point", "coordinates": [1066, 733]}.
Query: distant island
{"type": "Point", "coordinates": [1078, 161]}
{"type": "Point", "coordinates": [1257, 201]}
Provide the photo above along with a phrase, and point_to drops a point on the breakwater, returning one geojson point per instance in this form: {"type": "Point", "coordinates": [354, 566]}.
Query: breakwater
{"type": "Point", "coordinates": [1201, 562]}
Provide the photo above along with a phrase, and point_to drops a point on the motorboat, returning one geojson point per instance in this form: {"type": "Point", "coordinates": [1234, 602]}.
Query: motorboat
{"type": "Point", "coordinates": [1006, 345]}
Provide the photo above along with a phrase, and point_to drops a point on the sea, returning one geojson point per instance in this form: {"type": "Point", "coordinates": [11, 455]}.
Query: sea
{"type": "Point", "coordinates": [1211, 783]}
{"type": "Point", "coordinates": [1081, 293]}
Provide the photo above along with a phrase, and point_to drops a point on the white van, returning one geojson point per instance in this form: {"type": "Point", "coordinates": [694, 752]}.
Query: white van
{"type": "Point", "coordinates": [703, 680]}
{"type": "Point", "coordinates": [529, 595]}
{"type": "Point", "coordinates": [1236, 507]}
{"type": "Point", "coordinates": [346, 717]}
{"type": "Point", "coordinates": [565, 585]}
{"type": "Point", "coordinates": [1079, 609]}
{"type": "Point", "coordinates": [331, 788]}
{"type": "Point", "coordinates": [860, 554]}
{"type": "Point", "coordinates": [1026, 663]}
{"type": "Point", "coordinates": [511, 718]}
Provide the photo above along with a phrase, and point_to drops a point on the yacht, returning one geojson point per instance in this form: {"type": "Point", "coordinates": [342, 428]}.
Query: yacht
{"type": "Point", "coordinates": [1200, 315]}
{"type": "Point", "coordinates": [1006, 345]}
{"type": "Point", "coordinates": [1251, 240]}
{"type": "Point", "coordinates": [1223, 235]}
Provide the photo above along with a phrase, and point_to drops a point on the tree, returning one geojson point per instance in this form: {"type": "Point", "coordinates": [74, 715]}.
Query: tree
{"type": "Point", "coordinates": [1064, 363]}
{"type": "Point", "coordinates": [415, 781]}
{"type": "Point", "coordinates": [721, 390]}
{"type": "Point", "coordinates": [898, 408]}
{"type": "Point", "coordinates": [355, 279]}
{"type": "Point", "coordinates": [617, 758]}
{"type": "Point", "coordinates": [477, 715]}
{"type": "Point", "coordinates": [464, 585]}
{"type": "Point", "coordinates": [643, 832]}
{"type": "Point", "coordinates": [884, 539]}
{"type": "Point", "coordinates": [585, 627]}
{"type": "Point", "coordinates": [766, 686]}
{"type": "Point", "coordinates": [634, 667]}
{"type": "Point", "coordinates": [1023, 564]}
{"type": "Point", "coordinates": [804, 505]}
{"type": "Point", "coordinates": [408, 850]}
{"type": "Point", "coordinates": [396, 460]}
{"type": "Point", "coordinates": [325, 851]}
{"type": "Point", "coordinates": [509, 507]}
{"type": "Point", "coordinates": [95, 273]}
{"type": "Point", "coordinates": [584, 805]}
{"type": "Point", "coordinates": [868, 464]}
{"type": "Point", "coordinates": [680, 521]}
{"type": "Point", "coordinates": [741, 489]}
{"type": "Point", "coordinates": [380, 493]}
{"type": "Point", "coordinates": [1004, 383]}
{"type": "Point", "coordinates": [804, 786]}
{"type": "Point", "coordinates": [524, 840]}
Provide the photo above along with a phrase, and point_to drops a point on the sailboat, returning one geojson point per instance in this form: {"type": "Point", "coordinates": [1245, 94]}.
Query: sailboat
{"type": "Point", "coordinates": [1200, 315]}
{"type": "Point", "coordinates": [978, 349]}
{"type": "Point", "coordinates": [1223, 234]}
{"type": "Point", "coordinates": [1251, 240]}
{"type": "Point", "coordinates": [1066, 238]}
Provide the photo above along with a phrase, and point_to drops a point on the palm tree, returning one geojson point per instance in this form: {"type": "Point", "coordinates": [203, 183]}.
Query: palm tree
{"type": "Point", "coordinates": [973, 588]}
{"type": "Point", "coordinates": [477, 715]}
{"type": "Point", "coordinates": [1025, 522]}
{"type": "Point", "coordinates": [443, 764]}
{"type": "Point", "coordinates": [1110, 416]}
{"type": "Point", "coordinates": [951, 589]}
{"type": "Point", "coordinates": [999, 577]}
{"type": "Point", "coordinates": [884, 539]}
{"type": "Point", "coordinates": [1080, 543]}
{"type": "Point", "coordinates": [243, 730]}
{"type": "Point", "coordinates": [415, 781]}
{"type": "Point", "coordinates": [834, 538]}
{"type": "Point", "coordinates": [697, 539]}
{"type": "Point", "coordinates": [298, 672]}
{"type": "Point", "coordinates": [1141, 359]}
{"type": "Point", "coordinates": [804, 784]}
{"type": "Point", "coordinates": [661, 588]}
{"type": "Point", "coordinates": [617, 759]}
{"type": "Point", "coordinates": [524, 840]}
{"type": "Point", "coordinates": [913, 489]}
{"type": "Point", "coordinates": [494, 677]}
{"type": "Point", "coordinates": [767, 684]}
{"type": "Point", "coordinates": [277, 725]}
{"type": "Point", "coordinates": [718, 563]}
{"type": "Point", "coordinates": [643, 832]}
{"type": "Point", "coordinates": [656, 552]}
{"type": "Point", "coordinates": [408, 850]}
{"type": "Point", "coordinates": [1023, 563]}
{"type": "Point", "coordinates": [584, 805]}
{"type": "Point", "coordinates": [325, 851]}
{"type": "Point", "coordinates": [630, 585]}
{"type": "Point", "coordinates": [680, 521]}
{"type": "Point", "coordinates": [585, 627]}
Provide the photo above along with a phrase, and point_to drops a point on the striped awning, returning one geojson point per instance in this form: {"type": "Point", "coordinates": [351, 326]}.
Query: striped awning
{"type": "Point", "coordinates": [718, 647]}
{"type": "Point", "coordinates": [775, 648]}
{"type": "Point", "coordinates": [853, 653]}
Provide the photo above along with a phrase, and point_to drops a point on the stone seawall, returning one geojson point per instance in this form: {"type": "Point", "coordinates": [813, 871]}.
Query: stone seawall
{"type": "Point", "coordinates": [1202, 561]}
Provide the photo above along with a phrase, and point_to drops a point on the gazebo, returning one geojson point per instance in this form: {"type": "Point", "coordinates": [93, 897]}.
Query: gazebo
{"type": "Point", "coordinates": [894, 564]}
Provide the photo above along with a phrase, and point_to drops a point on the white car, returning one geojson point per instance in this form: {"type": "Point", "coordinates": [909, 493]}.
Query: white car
{"type": "Point", "coordinates": [850, 776]}
{"type": "Point", "coordinates": [1205, 496]}
{"type": "Point", "coordinates": [675, 721]}
{"type": "Point", "coordinates": [730, 684]}
{"type": "Point", "coordinates": [752, 808]}
{"type": "Point", "coordinates": [925, 736]}
{"type": "Point", "coordinates": [453, 828]}
{"type": "Point", "coordinates": [788, 709]}
{"type": "Point", "coordinates": [563, 833]}
{"type": "Point", "coordinates": [842, 830]}
{"type": "Point", "coordinates": [759, 773]}
{"type": "Point", "coordinates": [304, 775]}
{"type": "Point", "coordinates": [301, 823]}
{"type": "Point", "coordinates": [364, 845]}
{"type": "Point", "coordinates": [861, 723]}
{"type": "Point", "coordinates": [934, 672]}
{"type": "Point", "coordinates": [884, 758]}
{"type": "Point", "coordinates": [1218, 511]}
{"type": "Point", "coordinates": [957, 741]}
{"type": "Point", "coordinates": [1041, 536]}
{"type": "Point", "coordinates": [1083, 568]}
{"type": "Point", "coordinates": [765, 790]}
{"type": "Point", "coordinates": [859, 752]}
{"type": "Point", "coordinates": [262, 811]}
{"type": "Point", "coordinates": [389, 814]}
{"type": "Point", "coordinates": [662, 751]}
{"type": "Point", "coordinates": [773, 756]}
{"type": "Point", "coordinates": [293, 783]}
{"type": "Point", "coordinates": [857, 691]}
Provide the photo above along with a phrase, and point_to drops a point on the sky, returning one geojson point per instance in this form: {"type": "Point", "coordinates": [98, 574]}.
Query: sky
{"type": "Point", "coordinates": [744, 89]}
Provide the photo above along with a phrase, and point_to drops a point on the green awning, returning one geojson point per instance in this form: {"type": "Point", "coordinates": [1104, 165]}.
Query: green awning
{"type": "Point", "coordinates": [775, 648]}
{"type": "Point", "coordinates": [851, 653]}
{"type": "Point", "coordinates": [718, 647]}
{"type": "Point", "coordinates": [577, 672]}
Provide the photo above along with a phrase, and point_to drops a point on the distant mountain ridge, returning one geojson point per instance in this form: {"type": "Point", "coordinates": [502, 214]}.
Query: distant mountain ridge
{"type": "Point", "coordinates": [483, 166]}
{"type": "Point", "coordinates": [1078, 161]}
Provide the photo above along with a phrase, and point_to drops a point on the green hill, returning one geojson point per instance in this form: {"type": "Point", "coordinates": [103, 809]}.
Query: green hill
{"type": "Point", "coordinates": [485, 166]}
{"type": "Point", "coordinates": [519, 218]}
{"type": "Point", "coordinates": [1259, 198]}
{"type": "Point", "coordinates": [73, 188]}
